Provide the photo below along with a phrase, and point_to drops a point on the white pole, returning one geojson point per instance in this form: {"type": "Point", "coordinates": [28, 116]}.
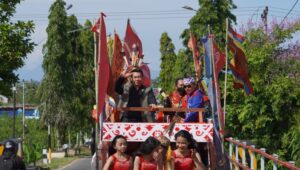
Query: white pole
{"type": "Point", "coordinates": [262, 160]}
{"type": "Point", "coordinates": [23, 122]}
{"type": "Point", "coordinates": [237, 156]}
{"type": "Point", "coordinates": [274, 162]}
{"type": "Point", "coordinates": [252, 158]}
{"type": "Point", "coordinates": [244, 155]}
{"type": "Point", "coordinates": [230, 152]}
{"type": "Point", "coordinates": [49, 143]}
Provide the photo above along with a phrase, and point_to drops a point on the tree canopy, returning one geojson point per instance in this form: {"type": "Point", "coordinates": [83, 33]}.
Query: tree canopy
{"type": "Point", "coordinates": [270, 116]}
{"type": "Point", "coordinates": [168, 59]}
{"type": "Point", "coordinates": [15, 44]}
{"type": "Point", "coordinates": [67, 88]}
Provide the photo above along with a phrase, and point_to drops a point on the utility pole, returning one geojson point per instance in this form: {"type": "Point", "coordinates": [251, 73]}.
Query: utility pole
{"type": "Point", "coordinates": [49, 143]}
{"type": "Point", "coordinates": [23, 129]}
{"type": "Point", "coordinates": [14, 89]}
{"type": "Point", "coordinates": [264, 17]}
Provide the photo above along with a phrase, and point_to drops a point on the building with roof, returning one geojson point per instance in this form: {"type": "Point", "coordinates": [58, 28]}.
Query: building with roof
{"type": "Point", "coordinates": [31, 112]}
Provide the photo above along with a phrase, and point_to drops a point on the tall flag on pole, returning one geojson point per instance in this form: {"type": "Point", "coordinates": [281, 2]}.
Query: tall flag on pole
{"type": "Point", "coordinates": [117, 66]}
{"type": "Point", "coordinates": [219, 62]}
{"type": "Point", "coordinates": [207, 54]}
{"type": "Point", "coordinates": [193, 46]}
{"type": "Point", "coordinates": [102, 62]}
{"type": "Point", "coordinates": [132, 43]}
{"type": "Point", "coordinates": [239, 62]}
{"type": "Point", "coordinates": [214, 62]}
{"type": "Point", "coordinates": [212, 69]}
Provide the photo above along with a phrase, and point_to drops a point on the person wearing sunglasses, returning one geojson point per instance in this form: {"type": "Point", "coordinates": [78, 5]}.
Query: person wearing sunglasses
{"type": "Point", "coordinates": [194, 99]}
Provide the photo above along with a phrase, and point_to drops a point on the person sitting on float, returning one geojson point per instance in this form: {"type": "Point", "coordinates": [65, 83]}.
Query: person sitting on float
{"type": "Point", "coordinates": [194, 99]}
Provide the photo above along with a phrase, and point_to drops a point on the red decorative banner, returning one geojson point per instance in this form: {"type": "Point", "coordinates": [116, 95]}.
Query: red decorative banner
{"type": "Point", "coordinates": [139, 132]}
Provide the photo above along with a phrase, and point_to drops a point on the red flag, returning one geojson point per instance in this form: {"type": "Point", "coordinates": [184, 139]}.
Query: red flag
{"type": "Point", "coordinates": [146, 75]}
{"type": "Point", "coordinates": [131, 40]}
{"type": "Point", "coordinates": [239, 64]}
{"type": "Point", "coordinates": [103, 66]}
{"type": "Point", "coordinates": [96, 30]}
{"type": "Point", "coordinates": [192, 44]}
{"type": "Point", "coordinates": [117, 65]}
{"type": "Point", "coordinates": [219, 59]}
{"type": "Point", "coordinates": [96, 26]}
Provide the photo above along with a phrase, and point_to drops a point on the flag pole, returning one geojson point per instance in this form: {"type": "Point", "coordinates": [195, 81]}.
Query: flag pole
{"type": "Point", "coordinates": [204, 66]}
{"type": "Point", "coordinates": [210, 70]}
{"type": "Point", "coordinates": [226, 69]}
{"type": "Point", "coordinates": [213, 71]}
{"type": "Point", "coordinates": [100, 118]}
{"type": "Point", "coordinates": [96, 97]}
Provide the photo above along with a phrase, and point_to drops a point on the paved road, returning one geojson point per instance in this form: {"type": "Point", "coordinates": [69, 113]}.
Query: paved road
{"type": "Point", "coordinates": [79, 164]}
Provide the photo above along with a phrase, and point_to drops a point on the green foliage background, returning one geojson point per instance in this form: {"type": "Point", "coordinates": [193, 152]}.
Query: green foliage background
{"type": "Point", "coordinates": [270, 116]}
{"type": "Point", "coordinates": [35, 136]}
{"type": "Point", "coordinates": [15, 44]}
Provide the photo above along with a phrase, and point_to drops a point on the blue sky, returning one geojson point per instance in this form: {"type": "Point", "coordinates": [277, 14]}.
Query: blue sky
{"type": "Point", "coordinates": [150, 18]}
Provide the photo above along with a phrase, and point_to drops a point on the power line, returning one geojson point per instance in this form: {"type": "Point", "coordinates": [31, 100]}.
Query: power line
{"type": "Point", "coordinates": [129, 14]}
{"type": "Point", "coordinates": [122, 18]}
{"type": "Point", "coordinates": [289, 12]}
{"type": "Point", "coordinates": [116, 13]}
{"type": "Point", "coordinates": [154, 14]}
{"type": "Point", "coordinates": [284, 9]}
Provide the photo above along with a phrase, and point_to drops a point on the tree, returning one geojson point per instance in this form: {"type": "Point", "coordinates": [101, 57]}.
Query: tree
{"type": "Point", "coordinates": [30, 92]}
{"type": "Point", "coordinates": [270, 116]}
{"type": "Point", "coordinates": [211, 14]}
{"type": "Point", "coordinates": [84, 87]}
{"type": "Point", "coordinates": [15, 44]}
{"type": "Point", "coordinates": [168, 58]}
{"type": "Point", "coordinates": [56, 86]}
{"type": "Point", "coordinates": [75, 59]}
{"type": "Point", "coordinates": [184, 65]}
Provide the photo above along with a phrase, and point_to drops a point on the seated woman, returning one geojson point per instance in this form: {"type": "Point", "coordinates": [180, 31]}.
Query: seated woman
{"type": "Point", "coordinates": [194, 99]}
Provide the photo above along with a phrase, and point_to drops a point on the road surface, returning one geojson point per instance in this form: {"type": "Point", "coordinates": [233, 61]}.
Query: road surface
{"type": "Point", "coordinates": [79, 164]}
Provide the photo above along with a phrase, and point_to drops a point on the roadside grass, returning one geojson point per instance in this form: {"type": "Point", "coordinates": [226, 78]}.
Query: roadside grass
{"type": "Point", "coordinates": [57, 163]}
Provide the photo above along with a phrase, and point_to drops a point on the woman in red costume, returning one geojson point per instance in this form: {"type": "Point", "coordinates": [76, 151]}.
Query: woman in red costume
{"type": "Point", "coordinates": [118, 159]}
{"type": "Point", "coordinates": [147, 157]}
{"type": "Point", "coordinates": [185, 156]}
